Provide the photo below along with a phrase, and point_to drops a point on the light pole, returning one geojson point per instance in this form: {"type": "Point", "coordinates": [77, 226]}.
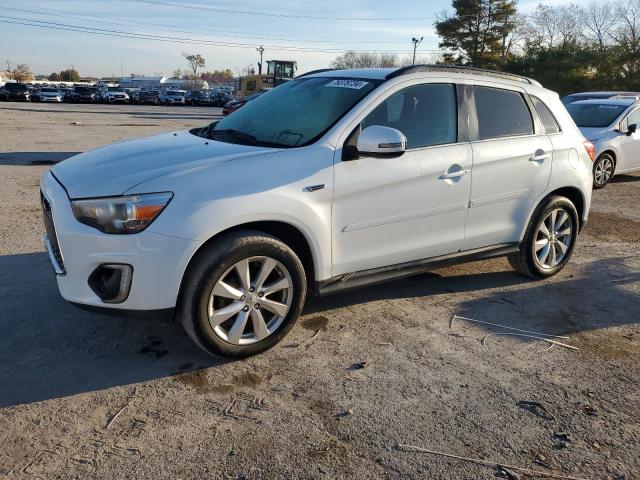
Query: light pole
{"type": "Point", "coordinates": [416, 42]}
{"type": "Point", "coordinates": [261, 51]}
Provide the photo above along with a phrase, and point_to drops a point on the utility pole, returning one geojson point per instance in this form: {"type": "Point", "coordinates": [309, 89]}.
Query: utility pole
{"type": "Point", "coordinates": [416, 42]}
{"type": "Point", "coordinates": [260, 51]}
{"type": "Point", "coordinates": [8, 66]}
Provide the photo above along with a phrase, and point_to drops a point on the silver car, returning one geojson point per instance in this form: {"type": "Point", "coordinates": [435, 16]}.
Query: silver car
{"type": "Point", "coordinates": [611, 126]}
{"type": "Point", "coordinates": [49, 94]}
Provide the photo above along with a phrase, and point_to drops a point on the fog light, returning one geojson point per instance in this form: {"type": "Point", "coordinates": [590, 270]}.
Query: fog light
{"type": "Point", "coordinates": [111, 282]}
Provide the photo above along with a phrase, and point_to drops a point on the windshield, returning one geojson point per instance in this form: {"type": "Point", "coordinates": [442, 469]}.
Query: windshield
{"type": "Point", "coordinates": [49, 90]}
{"type": "Point", "coordinates": [594, 115]}
{"type": "Point", "coordinates": [116, 89]}
{"type": "Point", "coordinates": [15, 86]}
{"type": "Point", "coordinates": [296, 113]}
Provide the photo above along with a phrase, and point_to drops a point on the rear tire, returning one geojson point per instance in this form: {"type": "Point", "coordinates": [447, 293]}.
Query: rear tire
{"type": "Point", "coordinates": [242, 294]}
{"type": "Point", "coordinates": [549, 240]}
{"type": "Point", "coordinates": [603, 170]}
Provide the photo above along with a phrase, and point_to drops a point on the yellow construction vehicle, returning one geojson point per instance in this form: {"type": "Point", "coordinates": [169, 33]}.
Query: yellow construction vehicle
{"type": "Point", "coordinates": [278, 72]}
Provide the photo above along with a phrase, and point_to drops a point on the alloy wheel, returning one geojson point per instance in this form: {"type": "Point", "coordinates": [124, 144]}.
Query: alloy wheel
{"type": "Point", "coordinates": [603, 171]}
{"type": "Point", "coordinates": [553, 239]}
{"type": "Point", "coordinates": [250, 300]}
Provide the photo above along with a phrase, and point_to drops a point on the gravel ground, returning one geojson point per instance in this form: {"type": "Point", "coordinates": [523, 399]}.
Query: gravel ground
{"type": "Point", "coordinates": [88, 396]}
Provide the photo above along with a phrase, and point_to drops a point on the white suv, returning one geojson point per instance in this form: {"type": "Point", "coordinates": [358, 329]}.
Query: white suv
{"type": "Point", "coordinates": [612, 127]}
{"type": "Point", "coordinates": [333, 180]}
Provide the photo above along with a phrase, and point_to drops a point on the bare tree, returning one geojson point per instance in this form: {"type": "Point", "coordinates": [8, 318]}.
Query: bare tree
{"type": "Point", "coordinates": [244, 71]}
{"type": "Point", "coordinates": [598, 20]}
{"type": "Point", "coordinates": [353, 59]}
{"type": "Point", "coordinates": [195, 61]}
{"type": "Point", "coordinates": [21, 73]}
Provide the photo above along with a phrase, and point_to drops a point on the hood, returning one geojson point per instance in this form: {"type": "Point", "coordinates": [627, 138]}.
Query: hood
{"type": "Point", "coordinates": [114, 169]}
{"type": "Point", "coordinates": [596, 133]}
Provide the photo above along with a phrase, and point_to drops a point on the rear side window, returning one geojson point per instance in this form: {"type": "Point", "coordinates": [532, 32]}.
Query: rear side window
{"type": "Point", "coordinates": [427, 114]}
{"type": "Point", "coordinates": [548, 120]}
{"type": "Point", "coordinates": [501, 113]}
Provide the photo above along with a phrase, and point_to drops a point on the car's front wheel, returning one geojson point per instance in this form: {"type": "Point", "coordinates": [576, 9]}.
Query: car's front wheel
{"type": "Point", "coordinates": [549, 240]}
{"type": "Point", "coordinates": [242, 294]}
{"type": "Point", "coordinates": [603, 169]}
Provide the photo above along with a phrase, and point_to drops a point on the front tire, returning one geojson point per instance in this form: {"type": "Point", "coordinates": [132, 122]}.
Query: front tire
{"type": "Point", "coordinates": [549, 240]}
{"type": "Point", "coordinates": [603, 170]}
{"type": "Point", "coordinates": [242, 294]}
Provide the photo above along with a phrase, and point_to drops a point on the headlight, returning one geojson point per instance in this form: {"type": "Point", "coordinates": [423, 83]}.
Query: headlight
{"type": "Point", "coordinates": [129, 214]}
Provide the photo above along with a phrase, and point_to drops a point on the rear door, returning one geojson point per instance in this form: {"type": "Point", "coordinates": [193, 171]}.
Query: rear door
{"type": "Point", "coordinates": [512, 158]}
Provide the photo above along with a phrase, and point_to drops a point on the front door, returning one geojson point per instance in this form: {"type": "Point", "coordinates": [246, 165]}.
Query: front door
{"type": "Point", "coordinates": [629, 144]}
{"type": "Point", "coordinates": [388, 211]}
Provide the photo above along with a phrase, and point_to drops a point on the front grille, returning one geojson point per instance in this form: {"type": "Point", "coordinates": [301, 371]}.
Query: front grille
{"type": "Point", "coordinates": [51, 230]}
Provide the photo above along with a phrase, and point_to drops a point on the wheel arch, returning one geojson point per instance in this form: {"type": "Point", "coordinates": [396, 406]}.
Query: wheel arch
{"type": "Point", "coordinates": [574, 194]}
{"type": "Point", "coordinates": [289, 234]}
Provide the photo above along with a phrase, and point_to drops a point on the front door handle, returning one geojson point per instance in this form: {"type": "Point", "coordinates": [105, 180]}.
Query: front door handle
{"type": "Point", "coordinates": [540, 156]}
{"type": "Point", "coordinates": [452, 175]}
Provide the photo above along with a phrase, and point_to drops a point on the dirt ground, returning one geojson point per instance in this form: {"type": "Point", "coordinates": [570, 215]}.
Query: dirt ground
{"type": "Point", "coordinates": [88, 396]}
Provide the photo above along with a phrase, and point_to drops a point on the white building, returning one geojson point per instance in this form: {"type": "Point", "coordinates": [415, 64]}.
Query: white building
{"type": "Point", "coordinates": [142, 82]}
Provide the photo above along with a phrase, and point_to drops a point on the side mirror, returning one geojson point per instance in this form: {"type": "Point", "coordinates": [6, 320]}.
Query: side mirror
{"type": "Point", "coordinates": [631, 129]}
{"type": "Point", "coordinates": [381, 141]}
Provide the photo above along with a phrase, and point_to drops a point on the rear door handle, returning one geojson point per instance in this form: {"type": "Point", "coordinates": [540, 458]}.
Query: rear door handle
{"type": "Point", "coordinates": [539, 157]}
{"type": "Point", "coordinates": [456, 174]}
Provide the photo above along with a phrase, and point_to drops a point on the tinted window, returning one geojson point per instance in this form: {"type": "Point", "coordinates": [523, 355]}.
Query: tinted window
{"type": "Point", "coordinates": [594, 115]}
{"type": "Point", "coordinates": [501, 113]}
{"type": "Point", "coordinates": [426, 114]}
{"type": "Point", "coordinates": [547, 118]}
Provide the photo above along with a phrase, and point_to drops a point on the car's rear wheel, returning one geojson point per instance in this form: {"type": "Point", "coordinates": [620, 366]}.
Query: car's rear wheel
{"type": "Point", "coordinates": [242, 294]}
{"type": "Point", "coordinates": [603, 170]}
{"type": "Point", "coordinates": [549, 240]}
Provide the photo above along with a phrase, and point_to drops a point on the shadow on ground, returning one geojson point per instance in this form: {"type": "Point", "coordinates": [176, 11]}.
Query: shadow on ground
{"type": "Point", "coordinates": [34, 158]}
{"type": "Point", "coordinates": [625, 178]}
{"type": "Point", "coordinates": [604, 294]}
{"type": "Point", "coordinates": [50, 349]}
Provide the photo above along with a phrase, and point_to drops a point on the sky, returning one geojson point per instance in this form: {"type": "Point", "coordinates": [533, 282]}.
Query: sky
{"type": "Point", "coordinates": [52, 35]}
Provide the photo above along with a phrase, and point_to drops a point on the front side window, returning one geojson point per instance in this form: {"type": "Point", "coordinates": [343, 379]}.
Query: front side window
{"type": "Point", "coordinates": [426, 114]}
{"type": "Point", "coordinates": [632, 119]}
{"type": "Point", "coordinates": [294, 114]}
{"type": "Point", "coordinates": [501, 113]}
{"type": "Point", "coordinates": [546, 117]}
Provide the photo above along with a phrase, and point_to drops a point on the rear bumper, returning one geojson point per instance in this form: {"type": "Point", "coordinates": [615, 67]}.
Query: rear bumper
{"type": "Point", "coordinates": [158, 261]}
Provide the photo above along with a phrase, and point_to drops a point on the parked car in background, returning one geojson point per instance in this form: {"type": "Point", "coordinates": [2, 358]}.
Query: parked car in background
{"type": "Point", "coordinates": [198, 97]}
{"type": "Point", "coordinates": [15, 92]}
{"type": "Point", "coordinates": [149, 97]}
{"type": "Point", "coordinates": [49, 94]}
{"type": "Point", "coordinates": [82, 94]}
{"type": "Point", "coordinates": [330, 181]}
{"type": "Point", "coordinates": [115, 95]}
{"type": "Point", "coordinates": [574, 97]}
{"type": "Point", "coordinates": [173, 97]}
{"type": "Point", "coordinates": [612, 126]}
{"type": "Point", "coordinates": [220, 99]}
{"type": "Point", "coordinates": [235, 104]}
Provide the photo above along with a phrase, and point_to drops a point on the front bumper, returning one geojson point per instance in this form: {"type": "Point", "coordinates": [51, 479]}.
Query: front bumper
{"type": "Point", "coordinates": [51, 99]}
{"type": "Point", "coordinates": [157, 261]}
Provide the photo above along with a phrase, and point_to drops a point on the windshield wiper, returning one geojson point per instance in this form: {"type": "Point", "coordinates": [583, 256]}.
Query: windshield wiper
{"type": "Point", "coordinates": [237, 134]}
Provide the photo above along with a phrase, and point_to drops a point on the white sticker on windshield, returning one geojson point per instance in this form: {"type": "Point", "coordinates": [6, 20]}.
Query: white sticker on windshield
{"type": "Point", "coordinates": [355, 84]}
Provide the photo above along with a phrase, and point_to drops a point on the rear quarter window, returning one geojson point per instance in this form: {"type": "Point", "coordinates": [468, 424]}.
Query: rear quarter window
{"type": "Point", "coordinates": [501, 113]}
{"type": "Point", "coordinates": [546, 117]}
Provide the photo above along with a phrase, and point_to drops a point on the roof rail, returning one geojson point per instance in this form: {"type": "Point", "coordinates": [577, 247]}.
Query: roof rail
{"type": "Point", "coordinates": [320, 70]}
{"type": "Point", "coordinates": [460, 69]}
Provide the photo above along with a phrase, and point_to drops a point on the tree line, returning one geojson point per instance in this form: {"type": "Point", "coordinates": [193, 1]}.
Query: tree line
{"type": "Point", "coordinates": [568, 48]}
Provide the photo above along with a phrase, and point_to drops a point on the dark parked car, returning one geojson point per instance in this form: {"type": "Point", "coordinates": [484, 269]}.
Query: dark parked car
{"type": "Point", "coordinates": [15, 92]}
{"type": "Point", "coordinates": [234, 105]}
{"type": "Point", "coordinates": [220, 99]}
{"type": "Point", "coordinates": [198, 97]}
{"type": "Point", "coordinates": [83, 95]}
{"type": "Point", "coordinates": [149, 97]}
